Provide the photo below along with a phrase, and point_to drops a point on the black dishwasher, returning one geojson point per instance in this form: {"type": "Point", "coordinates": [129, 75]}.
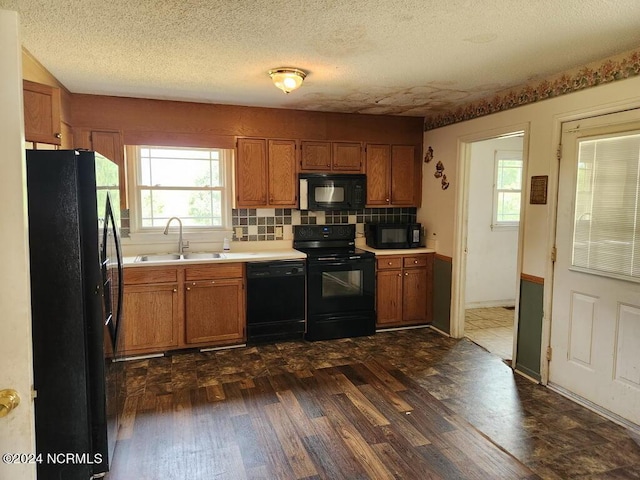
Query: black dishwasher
{"type": "Point", "coordinates": [275, 300]}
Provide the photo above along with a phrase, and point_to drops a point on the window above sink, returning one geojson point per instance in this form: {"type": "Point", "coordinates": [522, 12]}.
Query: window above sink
{"type": "Point", "coordinates": [193, 184]}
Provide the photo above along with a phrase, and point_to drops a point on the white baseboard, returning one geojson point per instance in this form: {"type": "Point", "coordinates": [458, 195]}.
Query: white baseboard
{"type": "Point", "coordinates": [226, 347]}
{"type": "Point", "coordinates": [491, 304]}
{"type": "Point", "coordinates": [393, 329]}
{"type": "Point", "coordinates": [139, 357]}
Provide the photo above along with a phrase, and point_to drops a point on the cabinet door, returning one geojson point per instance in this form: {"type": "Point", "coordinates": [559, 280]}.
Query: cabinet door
{"type": "Point", "coordinates": [215, 311]}
{"type": "Point", "coordinates": [66, 142]}
{"type": "Point", "coordinates": [389, 297]}
{"type": "Point", "coordinates": [414, 295]}
{"type": "Point", "coordinates": [282, 173]}
{"type": "Point", "coordinates": [316, 156]}
{"type": "Point", "coordinates": [41, 113]}
{"type": "Point", "coordinates": [109, 144]}
{"type": "Point", "coordinates": [150, 321]}
{"type": "Point", "coordinates": [403, 173]}
{"type": "Point", "coordinates": [251, 172]}
{"type": "Point", "coordinates": [347, 157]}
{"type": "Point", "coordinates": [378, 168]}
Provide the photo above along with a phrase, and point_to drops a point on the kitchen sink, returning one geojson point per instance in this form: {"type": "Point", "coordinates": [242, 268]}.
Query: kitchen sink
{"type": "Point", "coordinates": [202, 255]}
{"type": "Point", "coordinates": [162, 257]}
{"type": "Point", "coordinates": [174, 257]}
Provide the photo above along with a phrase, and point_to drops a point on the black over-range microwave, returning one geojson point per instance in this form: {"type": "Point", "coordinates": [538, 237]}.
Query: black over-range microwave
{"type": "Point", "coordinates": [320, 191]}
{"type": "Point", "coordinates": [393, 235]}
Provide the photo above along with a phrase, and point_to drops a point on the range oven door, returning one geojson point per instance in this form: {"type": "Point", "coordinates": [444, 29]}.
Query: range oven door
{"type": "Point", "coordinates": [340, 285]}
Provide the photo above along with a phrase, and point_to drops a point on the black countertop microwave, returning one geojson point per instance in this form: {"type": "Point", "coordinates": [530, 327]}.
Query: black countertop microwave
{"type": "Point", "coordinates": [393, 235]}
{"type": "Point", "coordinates": [320, 191]}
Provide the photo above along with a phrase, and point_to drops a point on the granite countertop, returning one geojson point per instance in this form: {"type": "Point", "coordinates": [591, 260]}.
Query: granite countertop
{"type": "Point", "coordinates": [225, 257]}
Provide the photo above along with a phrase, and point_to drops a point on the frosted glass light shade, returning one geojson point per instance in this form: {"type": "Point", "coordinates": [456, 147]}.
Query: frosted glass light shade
{"type": "Point", "coordinates": [287, 79]}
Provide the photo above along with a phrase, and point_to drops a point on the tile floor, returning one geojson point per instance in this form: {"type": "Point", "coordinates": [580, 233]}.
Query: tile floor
{"type": "Point", "coordinates": [491, 328]}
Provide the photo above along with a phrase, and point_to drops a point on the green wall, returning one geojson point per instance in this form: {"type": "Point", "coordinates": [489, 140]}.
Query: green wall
{"type": "Point", "coordinates": [530, 328]}
{"type": "Point", "coordinates": [442, 295]}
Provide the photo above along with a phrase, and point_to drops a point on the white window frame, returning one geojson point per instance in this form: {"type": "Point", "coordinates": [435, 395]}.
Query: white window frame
{"type": "Point", "coordinates": [500, 155]}
{"type": "Point", "coordinates": [134, 191]}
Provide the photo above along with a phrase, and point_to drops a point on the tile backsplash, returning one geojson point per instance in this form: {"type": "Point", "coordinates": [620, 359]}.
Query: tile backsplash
{"type": "Point", "coordinates": [258, 224]}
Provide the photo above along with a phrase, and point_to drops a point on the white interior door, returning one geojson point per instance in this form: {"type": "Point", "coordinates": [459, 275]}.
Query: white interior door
{"type": "Point", "coordinates": [595, 332]}
{"type": "Point", "coordinates": [16, 428]}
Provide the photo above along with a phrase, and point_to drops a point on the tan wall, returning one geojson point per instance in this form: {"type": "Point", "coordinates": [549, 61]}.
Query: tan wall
{"type": "Point", "coordinates": [34, 71]}
{"type": "Point", "coordinates": [543, 120]}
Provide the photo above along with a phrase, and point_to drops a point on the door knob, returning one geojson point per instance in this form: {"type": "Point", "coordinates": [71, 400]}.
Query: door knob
{"type": "Point", "coordinates": [9, 399]}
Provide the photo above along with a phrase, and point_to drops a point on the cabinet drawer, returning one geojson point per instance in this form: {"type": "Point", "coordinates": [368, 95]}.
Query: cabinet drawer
{"type": "Point", "coordinates": [205, 272]}
{"type": "Point", "coordinates": [415, 261]}
{"type": "Point", "coordinates": [141, 275]}
{"type": "Point", "coordinates": [388, 262]}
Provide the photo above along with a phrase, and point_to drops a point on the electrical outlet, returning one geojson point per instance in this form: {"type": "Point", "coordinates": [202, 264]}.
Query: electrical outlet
{"type": "Point", "coordinates": [278, 231]}
{"type": "Point", "coordinates": [239, 232]}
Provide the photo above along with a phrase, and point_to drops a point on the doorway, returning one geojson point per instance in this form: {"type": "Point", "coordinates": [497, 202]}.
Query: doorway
{"type": "Point", "coordinates": [492, 212]}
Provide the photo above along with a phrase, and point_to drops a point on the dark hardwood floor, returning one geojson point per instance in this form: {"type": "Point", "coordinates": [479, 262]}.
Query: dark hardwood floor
{"type": "Point", "coordinates": [406, 405]}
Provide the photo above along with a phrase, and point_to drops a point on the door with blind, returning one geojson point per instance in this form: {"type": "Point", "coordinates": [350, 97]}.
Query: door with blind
{"type": "Point", "coordinates": [595, 333]}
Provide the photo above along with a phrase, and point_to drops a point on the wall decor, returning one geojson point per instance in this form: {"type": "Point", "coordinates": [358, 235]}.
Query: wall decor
{"type": "Point", "coordinates": [428, 156]}
{"type": "Point", "coordinates": [539, 185]}
{"type": "Point", "coordinates": [439, 169]}
{"type": "Point", "coordinates": [444, 182]}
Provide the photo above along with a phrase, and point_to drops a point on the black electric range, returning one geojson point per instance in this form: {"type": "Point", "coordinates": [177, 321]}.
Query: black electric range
{"type": "Point", "coordinates": [340, 282]}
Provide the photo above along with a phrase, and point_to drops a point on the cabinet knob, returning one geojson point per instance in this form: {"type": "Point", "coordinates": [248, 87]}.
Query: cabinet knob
{"type": "Point", "coordinates": [213, 281]}
{"type": "Point", "coordinates": [387, 200]}
{"type": "Point", "coordinates": [58, 135]}
{"type": "Point", "coordinates": [175, 290]}
{"type": "Point", "coordinates": [415, 261]}
{"type": "Point", "coordinates": [328, 164]}
{"type": "Point", "coordinates": [399, 274]}
{"type": "Point", "coordinates": [406, 274]}
{"type": "Point", "coordinates": [188, 288]}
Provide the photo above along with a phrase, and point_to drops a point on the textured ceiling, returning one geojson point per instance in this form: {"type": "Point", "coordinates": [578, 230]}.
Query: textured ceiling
{"type": "Point", "coordinates": [401, 57]}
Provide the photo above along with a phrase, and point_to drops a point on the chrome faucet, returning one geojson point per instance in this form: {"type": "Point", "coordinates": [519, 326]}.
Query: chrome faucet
{"type": "Point", "coordinates": [181, 243]}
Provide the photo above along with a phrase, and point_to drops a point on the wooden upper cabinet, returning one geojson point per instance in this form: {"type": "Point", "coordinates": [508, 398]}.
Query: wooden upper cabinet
{"type": "Point", "coordinates": [403, 174]}
{"type": "Point", "coordinates": [41, 113]}
{"type": "Point", "coordinates": [251, 172]}
{"type": "Point", "coordinates": [378, 174]}
{"type": "Point", "coordinates": [109, 144]}
{"type": "Point", "coordinates": [394, 176]}
{"type": "Point", "coordinates": [66, 142]}
{"type": "Point", "coordinates": [282, 173]}
{"type": "Point", "coordinates": [266, 173]}
{"type": "Point", "coordinates": [347, 157]}
{"type": "Point", "coordinates": [316, 156]}
{"type": "Point", "coordinates": [339, 157]}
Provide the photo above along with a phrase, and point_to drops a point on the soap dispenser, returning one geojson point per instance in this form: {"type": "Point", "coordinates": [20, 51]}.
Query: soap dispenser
{"type": "Point", "coordinates": [225, 245]}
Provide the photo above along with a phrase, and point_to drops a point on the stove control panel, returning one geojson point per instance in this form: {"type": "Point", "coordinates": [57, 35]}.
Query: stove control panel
{"type": "Point", "coordinates": [324, 232]}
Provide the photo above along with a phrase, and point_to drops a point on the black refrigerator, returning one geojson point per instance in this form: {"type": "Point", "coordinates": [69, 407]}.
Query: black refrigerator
{"type": "Point", "coordinates": [76, 288]}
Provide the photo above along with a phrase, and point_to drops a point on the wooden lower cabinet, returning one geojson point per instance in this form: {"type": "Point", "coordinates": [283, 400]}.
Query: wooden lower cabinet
{"type": "Point", "coordinates": [183, 307]}
{"type": "Point", "coordinates": [214, 311]}
{"type": "Point", "coordinates": [151, 319]}
{"type": "Point", "coordinates": [404, 290]}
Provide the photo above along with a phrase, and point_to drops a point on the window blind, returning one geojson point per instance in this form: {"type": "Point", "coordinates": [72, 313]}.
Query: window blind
{"type": "Point", "coordinates": [607, 206]}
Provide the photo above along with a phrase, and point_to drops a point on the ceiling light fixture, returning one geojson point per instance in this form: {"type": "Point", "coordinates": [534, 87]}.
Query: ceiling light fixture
{"type": "Point", "coordinates": [287, 79]}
